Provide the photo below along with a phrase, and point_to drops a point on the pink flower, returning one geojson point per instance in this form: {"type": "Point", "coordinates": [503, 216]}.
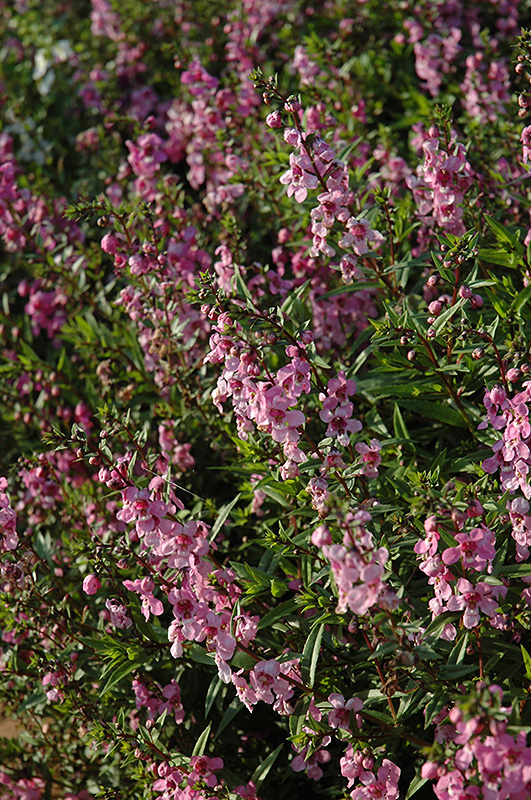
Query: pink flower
{"type": "Point", "coordinates": [525, 138]}
{"type": "Point", "coordinates": [359, 235]}
{"type": "Point", "coordinates": [300, 177]}
{"type": "Point", "coordinates": [8, 519]}
{"type": "Point", "coordinates": [118, 613]}
{"type": "Point", "coordinates": [370, 455]}
{"type": "Point", "coordinates": [475, 549]}
{"type": "Point", "coordinates": [274, 120]}
{"type": "Point", "coordinates": [202, 769]}
{"type": "Point", "coordinates": [91, 584]}
{"type": "Point", "coordinates": [321, 536]}
{"type": "Point", "coordinates": [384, 786]}
{"type": "Point", "coordinates": [339, 717]}
{"type": "Point", "coordinates": [473, 599]}
{"type": "Point", "coordinates": [340, 423]}
{"type": "Point", "coordinates": [310, 764]}
{"type": "Point", "coordinates": [144, 587]}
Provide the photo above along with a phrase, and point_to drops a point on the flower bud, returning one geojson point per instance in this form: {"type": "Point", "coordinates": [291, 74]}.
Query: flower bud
{"type": "Point", "coordinates": [274, 120]}
{"type": "Point", "coordinates": [292, 104]}
{"type": "Point", "coordinates": [91, 584]}
{"type": "Point", "coordinates": [436, 307]}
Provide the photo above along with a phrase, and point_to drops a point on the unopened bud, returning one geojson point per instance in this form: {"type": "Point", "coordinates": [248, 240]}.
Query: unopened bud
{"type": "Point", "coordinates": [436, 307]}
{"type": "Point", "coordinates": [274, 120]}
{"type": "Point", "coordinates": [292, 104]}
{"type": "Point", "coordinates": [513, 374]}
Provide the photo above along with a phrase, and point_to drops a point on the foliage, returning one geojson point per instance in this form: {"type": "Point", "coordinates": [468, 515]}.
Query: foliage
{"type": "Point", "coordinates": [266, 333]}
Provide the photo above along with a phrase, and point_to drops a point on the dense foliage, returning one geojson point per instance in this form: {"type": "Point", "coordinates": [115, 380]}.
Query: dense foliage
{"type": "Point", "coordinates": [265, 515]}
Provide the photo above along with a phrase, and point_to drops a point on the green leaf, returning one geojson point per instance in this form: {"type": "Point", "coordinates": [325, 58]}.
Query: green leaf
{"type": "Point", "coordinates": [279, 612]}
{"type": "Point", "coordinates": [278, 588]}
{"type": "Point", "coordinates": [200, 745]}
{"type": "Point", "coordinates": [120, 668]}
{"type": "Point", "coordinates": [401, 431]}
{"type": "Point", "coordinates": [242, 287]}
{"type": "Point", "coordinates": [213, 690]}
{"type": "Point", "coordinates": [441, 320]}
{"type": "Point", "coordinates": [415, 785]}
{"type": "Point", "coordinates": [522, 299]}
{"type": "Point", "coordinates": [514, 570]}
{"type": "Point", "coordinates": [261, 772]}
{"type": "Point", "coordinates": [289, 303]}
{"type": "Point", "coordinates": [456, 671]}
{"type": "Point", "coordinates": [234, 708]}
{"type": "Point", "coordinates": [527, 661]}
{"type": "Point", "coordinates": [500, 231]}
{"type": "Point", "coordinates": [273, 494]}
{"type": "Point", "coordinates": [459, 650]}
{"type": "Point", "coordinates": [435, 410]}
{"type": "Point", "coordinates": [495, 257]}
{"type": "Point", "coordinates": [310, 654]}
{"type": "Point", "coordinates": [198, 654]}
{"type": "Point", "coordinates": [223, 513]}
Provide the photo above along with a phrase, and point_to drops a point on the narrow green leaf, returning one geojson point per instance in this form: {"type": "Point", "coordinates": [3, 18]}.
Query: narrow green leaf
{"type": "Point", "coordinates": [261, 772]}
{"type": "Point", "coordinates": [495, 257]}
{"type": "Point", "coordinates": [198, 654]}
{"type": "Point", "coordinates": [310, 654]}
{"type": "Point", "coordinates": [527, 661]}
{"type": "Point", "coordinates": [234, 708]}
{"type": "Point", "coordinates": [242, 286]}
{"type": "Point", "coordinates": [500, 231]}
{"type": "Point", "coordinates": [459, 650]}
{"type": "Point", "coordinates": [435, 410]}
{"type": "Point", "coordinates": [514, 570]}
{"type": "Point", "coordinates": [213, 690]}
{"type": "Point", "coordinates": [522, 299]}
{"type": "Point", "coordinates": [400, 429]}
{"type": "Point", "coordinates": [120, 669]}
{"type": "Point", "coordinates": [278, 588]}
{"type": "Point", "coordinates": [415, 785]}
{"type": "Point", "coordinates": [274, 495]}
{"type": "Point", "coordinates": [279, 612]}
{"type": "Point", "coordinates": [200, 745]}
{"type": "Point", "coordinates": [441, 320]}
{"type": "Point", "coordinates": [224, 512]}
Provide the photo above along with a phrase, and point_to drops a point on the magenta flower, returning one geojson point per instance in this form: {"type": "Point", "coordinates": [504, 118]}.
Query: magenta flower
{"type": "Point", "coordinates": [475, 549]}
{"type": "Point", "coordinates": [91, 584]}
{"type": "Point", "coordinates": [340, 423]}
{"type": "Point", "coordinates": [384, 786]}
{"type": "Point", "coordinates": [144, 587]}
{"type": "Point", "coordinates": [339, 717]}
{"type": "Point", "coordinates": [473, 599]}
{"type": "Point", "coordinates": [299, 178]}
{"type": "Point", "coordinates": [118, 613]}
{"type": "Point", "coordinates": [8, 519]}
{"type": "Point", "coordinates": [202, 770]}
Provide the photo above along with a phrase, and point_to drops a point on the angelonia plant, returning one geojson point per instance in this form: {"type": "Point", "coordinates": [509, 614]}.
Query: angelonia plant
{"type": "Point", "coordinates": [265, 464]}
